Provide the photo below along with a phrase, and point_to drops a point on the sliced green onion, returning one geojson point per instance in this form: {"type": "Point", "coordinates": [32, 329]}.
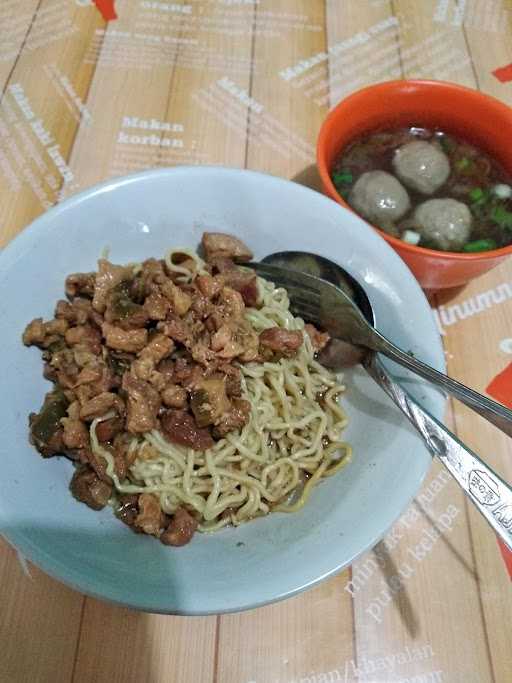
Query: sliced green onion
{"type": "Point", "coordinates": [502, 217]}
{"type": "Point", "coordinates": [411, 237]}
{"type": "Point", "coordinates": [476, 194]}
{"type": "Point", "coordinates": [480, 245]}
{"type": "Point", "coordinates": [342, 177]}
{"type": "Point", "coordinates": [463, 163]}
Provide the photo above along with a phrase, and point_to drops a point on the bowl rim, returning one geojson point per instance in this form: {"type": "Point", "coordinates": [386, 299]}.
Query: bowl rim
{"type": "Point", "coordinates": [322, 143]}
{"type": "Point", "coordinates": [74, 579]}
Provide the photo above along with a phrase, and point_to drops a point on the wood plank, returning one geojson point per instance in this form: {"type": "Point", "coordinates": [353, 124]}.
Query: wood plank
{"type": "Point", "coordinates": [488, 27]}
{"type": "Point", "coordinates": [36, 93]}
{"type": "Point", "coordinates": [40, 624]}
{"type": "Point", "coordinates": [308, 635]}
{"type": "Point", "coordinates": [363, 48]}
{"type": "Point", "coordinates": [430, 48]}
{"type": "Point", "coordinates": [15, 21]}
{"type": "Point", "coordinates": [262, 645]}
{"type": "Point", "coordinates": [489, 326]}
{"type": "Point", "coordinates": [118, 644]}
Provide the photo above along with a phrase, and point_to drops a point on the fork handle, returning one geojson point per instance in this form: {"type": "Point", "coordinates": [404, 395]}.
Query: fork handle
{"type": "Point", "coordinates": [486, 490]}
{"type": "Point", "coordinates": [492, 411]}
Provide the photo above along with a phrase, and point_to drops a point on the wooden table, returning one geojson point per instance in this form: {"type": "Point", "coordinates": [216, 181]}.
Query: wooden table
{"type": "Point", "coordinates": [87, 95]}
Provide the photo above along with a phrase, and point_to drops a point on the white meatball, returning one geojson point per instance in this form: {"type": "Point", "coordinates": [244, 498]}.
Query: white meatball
{"type": "Point", "coordinates": [379, 197]}
{"type": "Point", "coordinates": [443, 223]}
{"type": "Point", "coordinates": [422, 166]}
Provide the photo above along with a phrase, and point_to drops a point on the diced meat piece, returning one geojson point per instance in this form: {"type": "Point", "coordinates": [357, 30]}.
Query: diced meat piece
{"type": "Point", "coordinates": [221, 265]}
{"type": "Point", "coordinates": [143, 404]}
{"type": "Point", "coordinates": [157, 306]}
{"type": "Point", "coordinates": [122, 309]}
{"type": "Point", "coordinates": [245, 282]}
{"type": "Point", "coordinates": [45, 427]}
{"type": "Point", "coordinates": [132, 341]}
{"type": "Point", "coordinates": [281, 341]}
{"type": "Point", "coordinates": [235, 418]}
{"type": "Point", "coordinates": [166, 369]}
{"type": "Point", "coordinates": [174, 396]}
{"type": "Point", "coordinates": [236, 339]}
{"type": "Point", "coordinates": [180, 530]}
{"type": "Point", "coordinates": [225, 344]}
{"type": "Point", "coordinates": [150, 518]}
{"type": "Point", "coordinates": [98, 406]}
{"type": "Point", "coordinates": [76, 313]}
{"type": "Point", "coordinates": [209, 286]}
{"type": "Point", "coordinates": [182, 371]}
{"type": "Point", "coordinates": [202, 354]}
{"type": "Point", "coordinates": [179, 427]}
{"type": "Point", "coordinates": [128, 508]}
{"type": "Point", "coordinates": [233, 380]}
{"type": "Point", "coordinates": [109, 429]}
{"type": "Point", "coordinates": [58, 327]}
{"type": "Point", "coordinates": [82, 355]}
{"type": "Point", "coordinates": [49, 372]}
{"type": "Point", "coordinates": [76, 434]}
{"type": "Point", "coordinates": [86, 335]}
{"type": "Point", "coordinates": [209, 401]}
{"type": "Point", "coordinates": [88, 488]}
{"type": "Point", "coordinates": [106, 382]}
{"type": "Point", "coordinates": [177, 329]}
{"type": "Point", "coordinates": [108, 277]}
{"type": "Point", "coordinates": [220, 244]}
{"type": "Point", "coordinates": [34, 333]}
{"type": "Point", "coordinates": [151, 273]}
{"type": "Point", "coordinates": [319, 340]}
{"type": "Point", "coordinates": [80, 284]}
{"type": "Point", "coordinates": [202, 307]}
{"type": "Point", "coordinates": [231, 303]}
{"type": "Point", "coordinates": [180, 301]}
{"type": "Point", "coordinates": [158, 348]}
{"type": "Point", "coordinates": [90, 373]}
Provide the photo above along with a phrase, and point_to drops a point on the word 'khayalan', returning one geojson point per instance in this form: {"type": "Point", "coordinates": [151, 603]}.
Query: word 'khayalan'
{"type": "Point", "coordinates": [358, 39]}
{"type": "Point", "coordinates": [42, 134]}
{"type": "Point", "coordinates": [366, 666]}
{"type": "Point", "coordinates": [227, 84]}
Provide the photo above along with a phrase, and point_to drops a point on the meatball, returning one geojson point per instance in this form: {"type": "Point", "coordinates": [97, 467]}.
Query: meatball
{"type": "Point", "coordinates": [379, 197]}
{"type": "Point", "coordinates": [443, 223]}
{"type": "Point", "coordinates": [421, 166]}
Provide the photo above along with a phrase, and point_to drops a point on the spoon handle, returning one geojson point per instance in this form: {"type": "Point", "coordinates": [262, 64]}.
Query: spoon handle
{"type": "Point", "coordinates": [492, 411]}
{"type": "Point", "coordinates": [486, 490]}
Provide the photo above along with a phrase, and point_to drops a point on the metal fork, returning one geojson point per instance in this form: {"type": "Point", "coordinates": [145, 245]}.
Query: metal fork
{"type": "Point", "coordinates": [323, 304]}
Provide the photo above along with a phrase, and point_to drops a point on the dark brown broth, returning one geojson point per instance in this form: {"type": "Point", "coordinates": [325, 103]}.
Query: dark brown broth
{"type": "Point", "coordinates": [472, 171]}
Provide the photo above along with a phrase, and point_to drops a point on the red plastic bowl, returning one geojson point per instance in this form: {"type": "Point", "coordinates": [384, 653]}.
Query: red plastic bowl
{"type": "Point", "coordinates": [467, 113]}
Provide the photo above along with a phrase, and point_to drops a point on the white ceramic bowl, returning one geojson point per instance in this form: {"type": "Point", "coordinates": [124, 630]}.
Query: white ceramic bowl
{"type": "Point", "coordinates": [267, 559]}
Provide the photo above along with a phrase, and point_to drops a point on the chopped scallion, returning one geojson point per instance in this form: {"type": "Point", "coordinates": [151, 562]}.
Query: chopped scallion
{"type": "Point", "coordinates": [463, 163]}
{"type": "Point", "coordinates": [502, 217]}
{"type": "Point", "coordinates": [476, 194]}
{"type": "Point", "coordinates": [480, 245]}
{"type": "Point", "coordinates": [342, 177]}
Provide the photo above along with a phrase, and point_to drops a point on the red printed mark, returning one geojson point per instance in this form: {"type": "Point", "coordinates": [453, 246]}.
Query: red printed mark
{"type": "Point", "coordinates": [503, 74]}
{"type": "Point", "coordinates": [500, 388]}
{"type": "Point", "coordinates": [107, 9]}
{"type": "Point", "coordinates": [507, 556]}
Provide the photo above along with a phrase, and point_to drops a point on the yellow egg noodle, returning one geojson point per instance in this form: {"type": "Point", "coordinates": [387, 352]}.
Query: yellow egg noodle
{"type": "Point", "coordinates": [291, 442]}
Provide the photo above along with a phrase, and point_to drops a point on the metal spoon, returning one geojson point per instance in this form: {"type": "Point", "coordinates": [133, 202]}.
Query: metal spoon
{"type": "Point", "coordinates": [365, 335]}
{"type": "Point", "coordinates": [489, 493]}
